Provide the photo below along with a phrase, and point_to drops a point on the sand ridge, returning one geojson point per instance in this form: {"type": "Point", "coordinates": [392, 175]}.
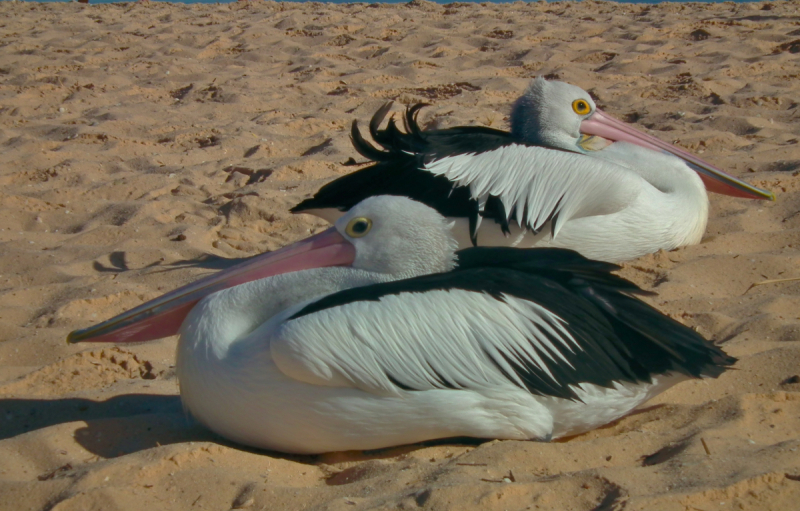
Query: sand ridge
{"type": "Point", "coordinates": [144, 145]}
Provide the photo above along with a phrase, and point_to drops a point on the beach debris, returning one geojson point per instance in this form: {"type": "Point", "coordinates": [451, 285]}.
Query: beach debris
{"type": "Point", "coordinates": [500, 34]}
{"type": "Point", "coordinates": [509, 478]}
{"type": "Point", "coordinates": [57, 473]}
{"type": "Point", "coordinates": [791, 47]}
{"type": "Point", "coordinates": [705, 446]}
{"type": "Point", "coordinates": [770, 281]}
{"type": "Point", "coordinates": [614, 499]}
{"type": "Point", "coordinates": [179, 94]}
{"type": "Point", "coordinates": [209, 141]}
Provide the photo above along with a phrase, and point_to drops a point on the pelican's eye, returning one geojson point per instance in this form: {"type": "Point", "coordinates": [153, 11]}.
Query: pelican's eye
{"type": "Point", "coordinates": [581, 107]}
{"type": "Point", "coordinates": [358, 227]}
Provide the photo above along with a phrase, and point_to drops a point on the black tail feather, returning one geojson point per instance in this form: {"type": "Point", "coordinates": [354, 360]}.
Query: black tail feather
{"type": "Point", "coordinates": [411, 123]}
{"type": "Point", "coordinates": [374, 123]}
{"type": "Point", "coordinates": [363, 147]}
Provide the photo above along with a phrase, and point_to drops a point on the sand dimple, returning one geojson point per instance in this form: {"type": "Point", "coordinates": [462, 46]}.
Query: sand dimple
{"type": "Point", "coordinates": [144, 145]}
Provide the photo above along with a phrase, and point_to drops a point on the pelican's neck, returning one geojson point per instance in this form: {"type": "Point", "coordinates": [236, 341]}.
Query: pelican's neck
{"type": "Point", "coordinates": [221, 368]}
{"type": "Point", "coordinates": [683, 196]}
{"type": "Point", "coordinates": [220, 319]}
{"type": "Point", "coordinates": [667, 173]}
{"type": "Point", "coordinates": [540, 130]}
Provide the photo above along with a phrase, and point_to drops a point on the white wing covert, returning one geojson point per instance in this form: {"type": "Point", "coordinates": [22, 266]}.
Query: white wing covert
{"type": "Point", "coordinates": [419, 341]}
{"type": "Point", "coordinates": [537, 185]}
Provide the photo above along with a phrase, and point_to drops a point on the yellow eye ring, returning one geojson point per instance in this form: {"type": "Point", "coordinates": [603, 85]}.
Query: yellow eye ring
{"type": "Point", "coordinates": [581, 107]}
{"type": "Point", "coordinates": [358, 227]}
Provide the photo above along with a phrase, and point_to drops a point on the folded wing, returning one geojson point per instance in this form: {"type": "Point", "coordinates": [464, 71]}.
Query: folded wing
{"type": "Point", "coordinates": [477, 172]}
{"type": "Point", "coordinates": [488, 327]}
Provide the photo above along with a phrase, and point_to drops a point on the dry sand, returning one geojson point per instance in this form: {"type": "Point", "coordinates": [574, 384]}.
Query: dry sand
{"type": "Point", "coordinates": [144, 145]}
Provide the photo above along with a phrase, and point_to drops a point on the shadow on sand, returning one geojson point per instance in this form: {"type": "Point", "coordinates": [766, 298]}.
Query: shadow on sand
{"type": "Point", "coordinates": [117, 426]}
{"type": "Point", "coordinates": [118, 263]}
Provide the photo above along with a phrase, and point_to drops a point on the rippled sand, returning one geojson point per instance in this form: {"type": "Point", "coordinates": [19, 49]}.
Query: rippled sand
{"type": "Point", "coordinates": [143, 145]}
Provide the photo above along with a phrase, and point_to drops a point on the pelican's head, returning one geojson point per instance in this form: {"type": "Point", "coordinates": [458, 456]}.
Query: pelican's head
{"type": "Point", "coordinates": [383, 234]}
{"type": "Point", "coordinates": [550, 114]}
{"type": "Point", "coordinates": [563, 116]}
{"type": "Point", "coordinates": [398, 236]}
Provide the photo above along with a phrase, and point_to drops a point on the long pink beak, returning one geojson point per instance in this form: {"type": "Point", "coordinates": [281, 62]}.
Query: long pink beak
{"type": "Point", "coordinates": [163, 316]}
{"type": "Point", "coordinates": [715, 179]}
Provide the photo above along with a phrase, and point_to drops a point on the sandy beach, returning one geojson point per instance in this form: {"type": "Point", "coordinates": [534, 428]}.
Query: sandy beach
{"type": "Point", "coordinates": [145, 145]}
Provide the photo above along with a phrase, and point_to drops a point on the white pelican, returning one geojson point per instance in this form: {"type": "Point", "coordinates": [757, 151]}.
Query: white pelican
{"type": "Point", "coordinates": [556, 180]}
{"type": "Point", "coordinates": [412, 341]}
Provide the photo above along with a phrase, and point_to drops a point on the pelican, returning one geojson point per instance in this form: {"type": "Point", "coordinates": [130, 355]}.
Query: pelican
{"type": "Point", "coordinates": [378, 332]}
{"type": "Point", "coordinates": [566, 175]}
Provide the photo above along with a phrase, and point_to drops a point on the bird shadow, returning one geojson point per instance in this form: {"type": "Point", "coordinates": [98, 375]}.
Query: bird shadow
{"type": "Point", "coordinates": [116, 426]}
{"type": "Point", "coordinates": [209, 262]}
{"type": "Point", "coordinates": [118, 263]}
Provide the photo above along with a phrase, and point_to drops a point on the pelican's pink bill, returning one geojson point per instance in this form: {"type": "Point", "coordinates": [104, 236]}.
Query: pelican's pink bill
{"type": "Point", "coordinates": [163, 316]}
{"type": "Point", "coordinates": [715, 179]}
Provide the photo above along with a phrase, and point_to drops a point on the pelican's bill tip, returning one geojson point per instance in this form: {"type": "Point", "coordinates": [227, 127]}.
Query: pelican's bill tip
{"type": "Point", "coordinates": [80, 335]}
{"type": "Point", "coordinates": [74, 337]}
{"type": "Point", "coordinates": [764, 194]}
